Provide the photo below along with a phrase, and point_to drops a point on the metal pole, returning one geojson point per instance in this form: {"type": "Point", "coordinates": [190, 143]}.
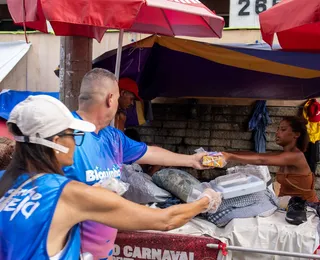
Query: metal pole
{"type": "Point", "coordinates": [119, 53]}
{"type": "Point", "coordinates": [118, 61]}
{"type": "Point", "coordinates": [265, 251]}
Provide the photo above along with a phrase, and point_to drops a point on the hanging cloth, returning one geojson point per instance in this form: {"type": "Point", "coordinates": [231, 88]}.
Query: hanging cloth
{"type": "Point", "coordinates": [258, 124]}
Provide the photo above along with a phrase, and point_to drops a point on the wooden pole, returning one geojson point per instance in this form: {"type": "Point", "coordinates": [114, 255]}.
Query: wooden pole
{"type": "Point", "coordinates": [75, 62]}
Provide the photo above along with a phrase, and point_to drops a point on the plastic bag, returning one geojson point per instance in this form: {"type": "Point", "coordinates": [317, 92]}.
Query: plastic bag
{"type": "Point", "coordinates": [115, 185]}
{"type": "Point", "coordinates": [212, 159]}
{"type": "Point", "coordinates": [259, 171]}
{"type": "Point", "coordinates": [178, 182]}
{"type": "Point", "coordinates": [283, 202]}
{"type": "Point", "coordinates": [142, 190]}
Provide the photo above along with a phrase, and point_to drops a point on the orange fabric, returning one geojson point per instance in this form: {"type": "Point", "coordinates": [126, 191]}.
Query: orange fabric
{"type": "Point", "coordinates": [298, 185]}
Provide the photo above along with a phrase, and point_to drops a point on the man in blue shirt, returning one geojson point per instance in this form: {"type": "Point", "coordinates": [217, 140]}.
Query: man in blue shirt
{"type": "Point", "coordinates": [102, 153]}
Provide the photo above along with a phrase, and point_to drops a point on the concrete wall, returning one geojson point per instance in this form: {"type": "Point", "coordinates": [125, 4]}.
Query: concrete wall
{"type": "Point", "coordinates": [35, 71]}
{"type": "Point", "coordinates": [215, 128]}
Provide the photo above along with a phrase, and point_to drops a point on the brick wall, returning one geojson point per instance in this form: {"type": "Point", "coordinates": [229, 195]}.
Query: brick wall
{"type": "Point", "coordinates": [213, 127]}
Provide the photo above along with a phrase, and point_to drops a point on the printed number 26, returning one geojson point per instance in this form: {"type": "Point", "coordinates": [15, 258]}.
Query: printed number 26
{"type": "Point", "coordinates": [260, 6]}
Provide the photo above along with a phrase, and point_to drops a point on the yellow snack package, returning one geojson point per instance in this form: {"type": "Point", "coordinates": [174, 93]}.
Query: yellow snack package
{"type": "Point", "coordinates": [214, 159]}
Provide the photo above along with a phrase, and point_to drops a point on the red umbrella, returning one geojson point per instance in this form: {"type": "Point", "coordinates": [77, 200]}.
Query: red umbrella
{"type": "Point", "coordinates": [296, 23]}
{"type": "Point", "coordinates": [91, 18]}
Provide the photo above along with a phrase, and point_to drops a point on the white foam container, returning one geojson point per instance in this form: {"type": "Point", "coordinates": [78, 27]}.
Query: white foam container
{"type": "Point", "coordinates": [235, 185]}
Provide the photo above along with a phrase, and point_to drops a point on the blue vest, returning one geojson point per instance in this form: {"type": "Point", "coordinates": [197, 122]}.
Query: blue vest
{"type": "Point", "coordinates": [26, 219]}
{"type": "Point", "coordinates": [101, 156]}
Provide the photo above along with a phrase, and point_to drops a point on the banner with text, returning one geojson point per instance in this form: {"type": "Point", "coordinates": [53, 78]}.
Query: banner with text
{"type": "Point", "coordinates": [163, 246]}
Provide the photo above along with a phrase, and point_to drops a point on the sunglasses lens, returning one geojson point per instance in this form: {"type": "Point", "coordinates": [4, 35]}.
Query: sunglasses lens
{"type": "Point", "coordinates": [78, 138]}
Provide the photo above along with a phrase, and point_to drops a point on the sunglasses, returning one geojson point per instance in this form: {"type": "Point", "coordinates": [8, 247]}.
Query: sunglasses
{"type": "Point", "coordinates": [77, 136]}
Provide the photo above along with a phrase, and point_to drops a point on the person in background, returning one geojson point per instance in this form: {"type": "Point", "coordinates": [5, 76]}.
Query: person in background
{"type": "Point", "coordinates": [294, 176]}
{"type": "Point", "coordinates": [134, 135]}
{"type": "Point", "coordinates": [104, 151]}
{"type": "Point", "coordinates": [128, 95]}
{"type": "Point", "coordinates": [40, 208]}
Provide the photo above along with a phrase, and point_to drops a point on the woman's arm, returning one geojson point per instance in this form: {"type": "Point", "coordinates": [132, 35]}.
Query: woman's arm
{"type": "Point", "coordinates": [97, 204]}
{"type": "Point", "coordinates": [274, 159]}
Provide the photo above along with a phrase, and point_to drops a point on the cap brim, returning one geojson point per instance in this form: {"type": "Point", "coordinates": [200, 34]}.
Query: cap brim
{"type": "Point", "coordinates": [137, 97]}
{"type": "Point", "coordinates": [83, 126]}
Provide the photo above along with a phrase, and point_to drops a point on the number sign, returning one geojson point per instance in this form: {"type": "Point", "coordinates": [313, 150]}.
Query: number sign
{"type": "Point", "coordinates": [245, 13]}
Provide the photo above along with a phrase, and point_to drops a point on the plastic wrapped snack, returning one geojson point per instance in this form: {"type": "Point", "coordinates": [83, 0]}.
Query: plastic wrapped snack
{"type": "Point", "coordinates": [115, 185]}
{"type": "Point", "coordinates": [214, 159]}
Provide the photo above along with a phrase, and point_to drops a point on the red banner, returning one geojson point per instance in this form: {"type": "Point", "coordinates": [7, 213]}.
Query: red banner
{"type": "Point", "coordinates": [163, 246]}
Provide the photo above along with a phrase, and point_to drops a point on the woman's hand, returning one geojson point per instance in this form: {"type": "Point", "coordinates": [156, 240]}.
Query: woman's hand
{"type": "Point", "coordinates": [214, 200]}
{"type": "Point", "coordinates": [227, 156]}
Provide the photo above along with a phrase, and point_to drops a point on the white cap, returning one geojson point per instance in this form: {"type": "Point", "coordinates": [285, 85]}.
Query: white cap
{"type": "Point", "coordinates": [43, 116]}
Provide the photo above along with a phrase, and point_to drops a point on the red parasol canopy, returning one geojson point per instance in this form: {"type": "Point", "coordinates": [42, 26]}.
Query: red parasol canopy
{"type": "Point", "coordinates": [296, 23]}
{"type": "Point", "coordinates": [91, 18]}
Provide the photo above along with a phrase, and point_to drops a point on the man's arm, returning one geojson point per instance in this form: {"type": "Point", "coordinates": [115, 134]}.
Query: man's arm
{"type": "Point", "coordinates": [159, 156]}
{"type": "Point", "coordinates": [100, 205]}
